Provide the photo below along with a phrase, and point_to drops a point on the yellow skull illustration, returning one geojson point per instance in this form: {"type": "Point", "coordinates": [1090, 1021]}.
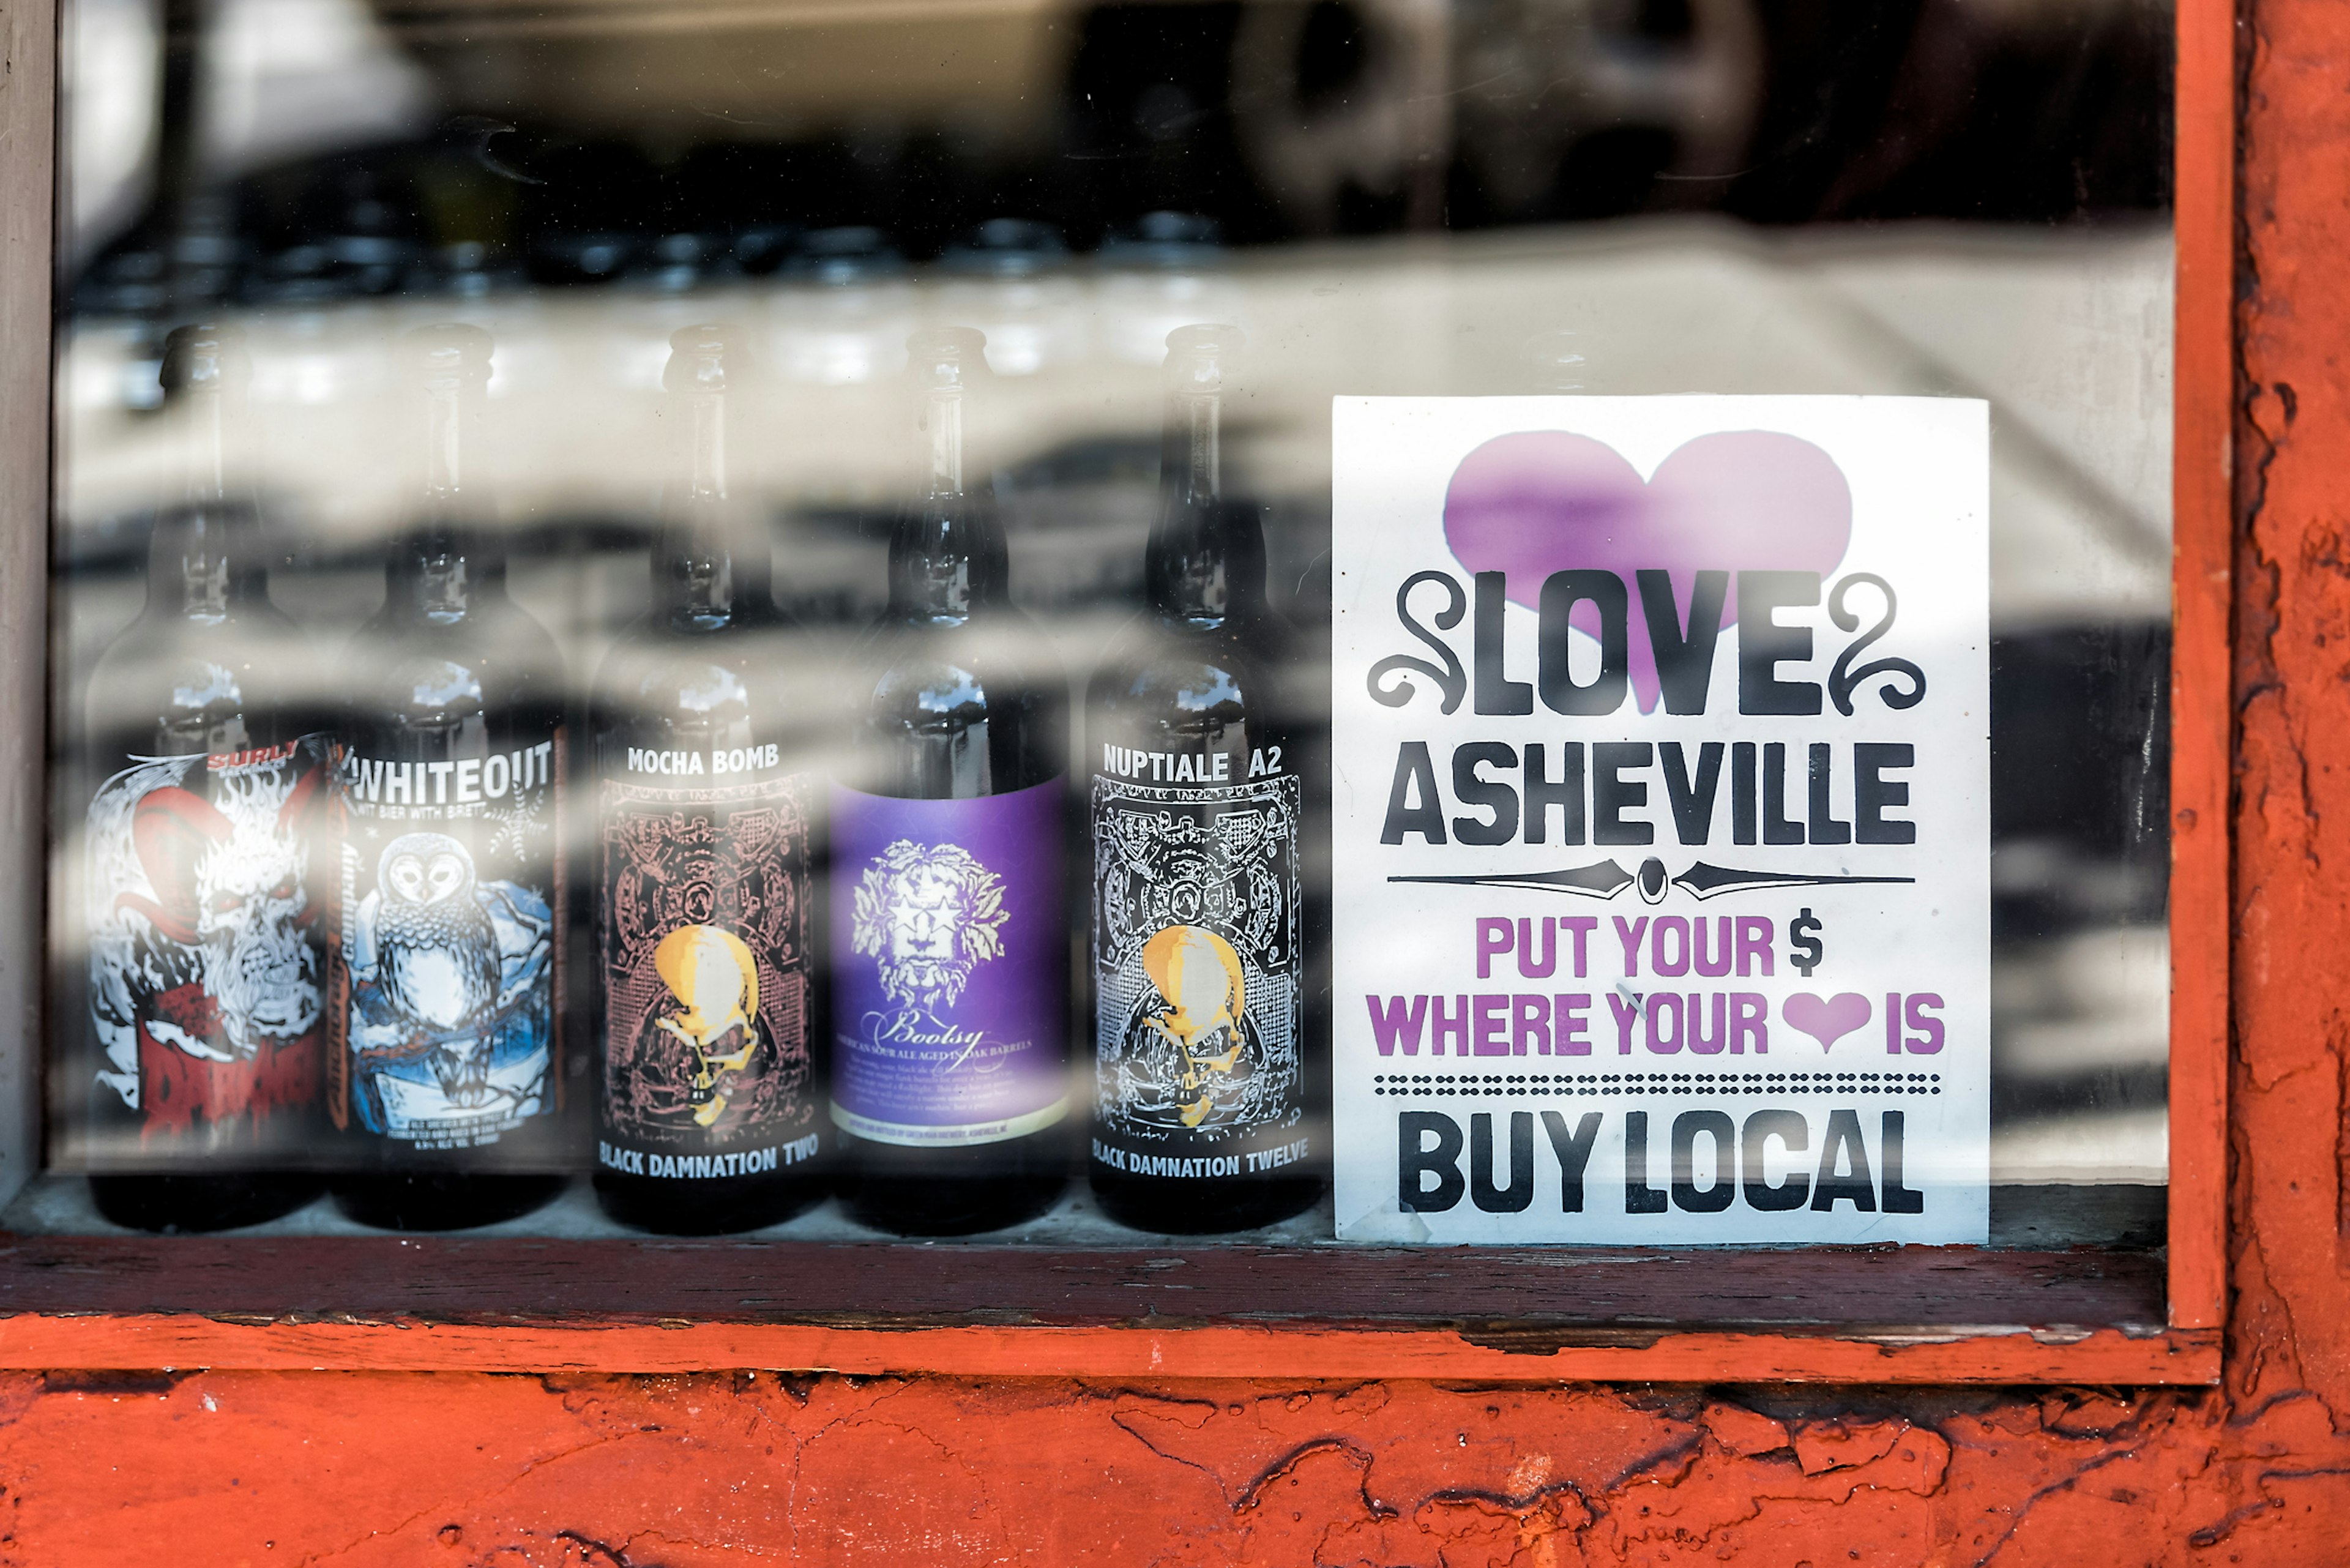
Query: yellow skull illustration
{"type": "Point", "coordinates": [714, 977]}
{"type": "Point", "coordinates": [1199, 976]}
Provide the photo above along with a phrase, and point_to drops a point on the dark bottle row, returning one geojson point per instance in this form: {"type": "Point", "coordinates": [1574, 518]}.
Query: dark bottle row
{"type": "Point", "coordinates": [831, 906]}
{"type": "Point", "coordinates": [209, 265]}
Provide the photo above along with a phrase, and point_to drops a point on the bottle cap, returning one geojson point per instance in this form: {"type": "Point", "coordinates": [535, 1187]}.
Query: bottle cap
{"type": "Point", "coordinates": [846, 257]}
{"type": "Point", "coordinates": [1006, 247]}
{"type": "Point", "coordinates": [700, 357]}
{"type": "Point", "coordinates": [947, 356]}
{"type": "Point", "coordinates": [1164, 241]}
{"type": "Point", "coordinates": [1197, 355]}
{"type": "Point", "coordinates": [208, 356]}
{"type": "Point", "coordinates": [452, 350]}
{"type": "Point", "coordinates": [764, 247]}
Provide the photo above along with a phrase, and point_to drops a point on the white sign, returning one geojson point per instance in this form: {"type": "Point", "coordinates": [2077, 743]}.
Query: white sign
{"type": "Point", "coordinates": [1661, 815]}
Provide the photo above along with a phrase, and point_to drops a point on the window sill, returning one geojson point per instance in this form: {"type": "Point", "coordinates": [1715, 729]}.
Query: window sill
{"type": "Point", "coordinates": [1074, 1297]}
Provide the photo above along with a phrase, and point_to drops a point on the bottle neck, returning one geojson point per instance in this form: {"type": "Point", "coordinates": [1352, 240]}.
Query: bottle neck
{"type": "Point", "coordinates": [202, 564]}
{"type": "Point", "coordinates": [203, 559]}
{"type": "Point", "coordinates": [1205, 562]}
{"type": "Point", "coordinates": [705, 436]}
{"type": "Point", "coordinates": [444, 448]}
{"type": "Point", "coordinates": [442, 571]}
{"type": "Point", "coordinates": [446, 567]}
{"type": "Point", "coordinates": [709, 570]}
{"type": "Point", "coordinates": [948, 556]}
{"type": "Point", "coordinates": [706, 576]}
{"type": "Point", "coordinates": [942, 428]}
{"type": "Point", "coordinates": [213, 460]}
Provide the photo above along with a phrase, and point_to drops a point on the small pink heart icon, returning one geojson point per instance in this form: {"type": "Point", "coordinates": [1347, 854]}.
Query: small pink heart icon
{"type": "Point", "coordinates": [1826, 1022]}
{"type": "Point", "coordinates": [1538, 502]}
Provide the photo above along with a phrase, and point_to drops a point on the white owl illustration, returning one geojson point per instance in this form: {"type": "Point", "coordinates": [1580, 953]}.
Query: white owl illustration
{"type": "Point", "coordinates": [436, 952]}
{"type": "Point", "coordinates": [451, 1002]}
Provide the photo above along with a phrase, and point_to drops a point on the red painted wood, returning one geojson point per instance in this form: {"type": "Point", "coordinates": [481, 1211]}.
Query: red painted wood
{"type": "Point", "coordinates": [2202, 709]}
{"type": "Point", "coordinates": [2293, 762]}
{"type": "Point", "coordinates": [1504, 1355]}
{"type": "Point", "coordinates": [371, 1470]}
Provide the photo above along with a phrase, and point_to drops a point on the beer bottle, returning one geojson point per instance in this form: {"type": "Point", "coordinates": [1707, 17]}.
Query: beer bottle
{"type": "Point", "coordinates": [1197, 814]}
{"type": "Point", "coordinates": [205, 968]}
{"type": "Point", "coordinates": [708, 1108]}
{"type": "Point", "coordinates": [950, 953]}
{"type": "Point", "coordinates": [445, 974]}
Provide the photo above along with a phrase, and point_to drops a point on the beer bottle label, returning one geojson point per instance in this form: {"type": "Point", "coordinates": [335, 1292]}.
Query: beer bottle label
{"type": "Point", "coordinates": [446, 966]}
{"type": "Point", "coordinates": [204, 966]}
{"type": "Point", "coordinates": [1198, 976]}
{"type": "Point", "coordinates": [950, 997]}
{"type": "Point", "coordinates": [703, 935]}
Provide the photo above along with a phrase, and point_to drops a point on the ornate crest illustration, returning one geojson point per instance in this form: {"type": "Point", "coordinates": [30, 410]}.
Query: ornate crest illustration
{"type": "Point", "coordinates": [1195, 957]}
{"type": "Point", "coordinates": [704, 953]}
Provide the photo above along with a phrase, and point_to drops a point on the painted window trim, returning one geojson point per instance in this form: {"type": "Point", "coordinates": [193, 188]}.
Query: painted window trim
{"type": "Point", "coordinates": [2203, 707]}
{"type": "Point", "coordinates": [43, 1328]}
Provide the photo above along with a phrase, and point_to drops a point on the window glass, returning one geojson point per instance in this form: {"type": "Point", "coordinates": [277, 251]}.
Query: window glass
{"type": "Point", "coordinates": [520, 298]}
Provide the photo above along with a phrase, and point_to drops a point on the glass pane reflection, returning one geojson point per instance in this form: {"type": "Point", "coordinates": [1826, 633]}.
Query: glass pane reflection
{"type": "Point", "coordinates": [1388, 196]}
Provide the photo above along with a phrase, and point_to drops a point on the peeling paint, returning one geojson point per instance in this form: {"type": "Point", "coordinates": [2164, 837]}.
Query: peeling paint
{"type": "Point", "coordinates": [372, 1470]}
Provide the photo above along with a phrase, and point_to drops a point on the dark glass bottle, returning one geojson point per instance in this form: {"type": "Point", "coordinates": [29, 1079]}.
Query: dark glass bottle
{"type": "Point", "coordinates": [950, 947]}
{"type": "Point", "coordinates": [206, 773]}
{"type": "Point", "coordinates": [1203, 1057]}
{"type": "Point", "coordinates": [707, 1027]}
{"type": "Point", "coordinates": [446, 975]}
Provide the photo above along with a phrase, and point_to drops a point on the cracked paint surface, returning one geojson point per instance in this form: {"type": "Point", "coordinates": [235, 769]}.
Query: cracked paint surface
{"type": "Point", "coordinates": [394, 1470]}
{"type": "Point", "coordinates": [374, 1470]}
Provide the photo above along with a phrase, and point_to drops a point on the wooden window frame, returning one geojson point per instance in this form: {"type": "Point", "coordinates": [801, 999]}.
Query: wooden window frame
{"type": "Point", "coordinates": [1250, 1309]}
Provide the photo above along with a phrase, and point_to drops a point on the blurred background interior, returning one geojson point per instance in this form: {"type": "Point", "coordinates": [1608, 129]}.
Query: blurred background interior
{"type": "Point", "coordinates": [1964, 197]}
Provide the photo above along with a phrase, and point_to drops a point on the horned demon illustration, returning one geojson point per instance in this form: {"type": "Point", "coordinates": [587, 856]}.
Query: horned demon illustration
{"type": "Point", "coordinates": [451, 1012]}
{"type": "Point", "coordinates": [200, 944]}
{"type": "Point", "coordinates": [928, 915]}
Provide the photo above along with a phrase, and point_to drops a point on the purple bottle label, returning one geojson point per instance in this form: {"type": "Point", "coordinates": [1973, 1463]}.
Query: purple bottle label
{"type": "Point", "coordinates": [949, 945]}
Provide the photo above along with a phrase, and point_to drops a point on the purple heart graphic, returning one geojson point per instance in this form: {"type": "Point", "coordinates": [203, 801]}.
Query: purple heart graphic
{"type": "Point", "coordinates": [1539, 501]}
{"type": "Point", "coordinates": [1826, 1022]}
